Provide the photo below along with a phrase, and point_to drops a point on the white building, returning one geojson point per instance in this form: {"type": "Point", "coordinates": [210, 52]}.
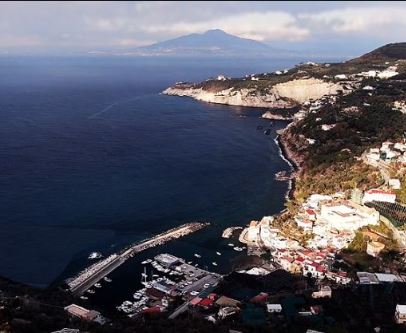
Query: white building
{"type": "Point", "coordinates": [374, 248]}
{"type": "Point", "coordinates": [394, 183]}
{"type": "Point", "coordinates": [386, 74]}
{"type": "Point", "coordinates": [341, 77]}
{"type": "Point", "coordinates": [378, 195]}
{"type": "Point", "coordinates": [325, 291]}
{"type": "Point", "coordinates": [274, 308]}
{"type": "Point", "coordinates": [345, 217]}
{"type": "Point", "coordinates": [400, 314]}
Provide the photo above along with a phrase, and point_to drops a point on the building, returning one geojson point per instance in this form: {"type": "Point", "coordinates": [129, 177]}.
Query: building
{"type": "Point", "coordinates": [325, 291]}
{"type": "Point", "coordinates": [374, 248]}
{"type": "Point", "coordinates": [274, 308]}
{"type": "Point", "coordinates": [400, 314]}
{"type": "Point", "coordinates": [82, 313]}
{"type": "Point", "coordinates": [342, 216]}
{"type": "Point", "coordinates": [394, 183]}
{"type": "Point", "coordinates": [379, 195]}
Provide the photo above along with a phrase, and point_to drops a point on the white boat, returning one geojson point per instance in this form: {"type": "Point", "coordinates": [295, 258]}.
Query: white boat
{"type": "Point", "coordinates": [218, 253]}
{"type": "Point", "coordinates": [214, 263]}
{"type": "Point", "coordinates": [98, 285]}
{"type": "Point", "coordinates": [189, 262]}
{"type": "Point", "coordinates": [90, 291]}
{"type": "Point", "coordinates": [107, 279]}
{"type": "Point", "coordinates": [230, 244]}
{"type": "Point", "coordinates": [197, 255]}
{"type": "Point", "coordinates": [84, 297]}
{"type": "Point", "coordinates": [239, 249]}
{"type": "Point", "coordinates": [94, 255]}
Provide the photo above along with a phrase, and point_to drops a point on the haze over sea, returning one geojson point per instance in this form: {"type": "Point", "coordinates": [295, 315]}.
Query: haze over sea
{"type": "Point", "coordinates": [94, 158]}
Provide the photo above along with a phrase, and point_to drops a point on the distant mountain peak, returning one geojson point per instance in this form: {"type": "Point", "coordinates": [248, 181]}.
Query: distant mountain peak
{"type": "Point", "coordinates": [211, 42]}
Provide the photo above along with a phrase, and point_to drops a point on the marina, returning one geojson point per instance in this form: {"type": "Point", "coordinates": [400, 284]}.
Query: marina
{"type": "Point", "coordinates": [93, 274]}
{"type": "Point", "coordinates": [185, 282]}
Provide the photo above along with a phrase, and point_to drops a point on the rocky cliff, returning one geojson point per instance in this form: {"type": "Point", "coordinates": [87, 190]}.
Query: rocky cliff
{"type": "Point", "coordinates": [282, 95]}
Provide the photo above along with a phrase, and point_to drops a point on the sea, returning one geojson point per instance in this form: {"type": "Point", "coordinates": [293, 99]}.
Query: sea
{"type": "Point", "coordinates": [93, 158]}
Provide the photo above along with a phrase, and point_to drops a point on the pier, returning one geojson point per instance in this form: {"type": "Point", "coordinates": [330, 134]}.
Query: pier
{"type": "Point", "coordinates": [94, 273]}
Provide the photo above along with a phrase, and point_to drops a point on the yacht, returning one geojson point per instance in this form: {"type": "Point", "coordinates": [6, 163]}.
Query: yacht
{"type": "Point", "coordinates": [107, 279]}
{"type": "Point", "coordinates": [230, 244]}
{"type": "Point", "coordinates": [214, 263]}
{"type": "Point", "coordinates": [98, 285]}
{"type": "Point", "coordinates": [197, 255]}
{"type": "Point", "coordinates": [84, 297]}
{"type": "Point", "coordinates": [94, 255]}
{"type": "Point", "coordinates": [239, 249]}
{"type": "Point", "coordinates": [218, 253]}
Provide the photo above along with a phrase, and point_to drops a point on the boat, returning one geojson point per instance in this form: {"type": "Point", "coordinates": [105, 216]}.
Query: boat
{"type": "Point", "coordinates": [267, 131]}
{"type": "Point", "coordinates": [90, 291]}
{"type": "Point", "coordinates": [107, 279]}
{"type": "Point", "coordinates": [214, 263]}
{"type": "Point", "coordinates": [98, 285]}
{"type": "Point", "coordinates": [230, 244]}
{"type": "Point", "coordinates": [189, 262]}
{"type": "Point", "coordinates": [239, 249]}
{"type": "Point", "coordinates": [218, 253]}
{"type": "Point", "coordinates": [84, 297]}
{"type": "Point", "coordinates": [94, 255]}
{"type": "Point", "coordinates": [197, 255]}
{"type": "Point", "coordinates": [282, 176]}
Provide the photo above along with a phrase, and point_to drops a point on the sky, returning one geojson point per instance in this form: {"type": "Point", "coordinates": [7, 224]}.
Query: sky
{"type": "Point", "coordinates": [344, 28]}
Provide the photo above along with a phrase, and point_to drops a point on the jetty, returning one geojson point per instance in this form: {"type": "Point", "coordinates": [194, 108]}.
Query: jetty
{"type": "Point", "coordinates": [94, 273]}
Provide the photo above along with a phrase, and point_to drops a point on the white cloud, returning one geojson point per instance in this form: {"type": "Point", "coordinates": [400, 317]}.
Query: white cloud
{"type": "Point", "coordinates": [367, 20]}
{"type": "Point", "coordinates": [260, 26]}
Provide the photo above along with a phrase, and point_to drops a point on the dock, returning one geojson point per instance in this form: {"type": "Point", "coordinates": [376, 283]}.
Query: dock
{"type": "Point", "coordinates": [94, 273]}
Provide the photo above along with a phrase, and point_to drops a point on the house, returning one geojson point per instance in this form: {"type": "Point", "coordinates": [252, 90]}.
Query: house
{"type": "Point", "coordinates": [400, 314]}
{"type": "Point", "coordinates": [311, 214]}
{"type": "Point", "coordinates": [341, 77]}
{"type": "Point", "coordinates": [304, 223]}
{"type": "Point", "coordinates": [325, 291]}
{"type": "Point", "coordinates": [227, 311]}
{"type": "Point", "coordinates": [85, 314]}
{"type": "Point", "coordinates": [386, 74]}
{"type": "Point", "coordinates": [379, 195]}
{"type": "Point", "coordinates": [274, 308]}
{"type": "Point", "coordinates": [374, 248]}
{"type": "Point", "coordinates": [394, 183]}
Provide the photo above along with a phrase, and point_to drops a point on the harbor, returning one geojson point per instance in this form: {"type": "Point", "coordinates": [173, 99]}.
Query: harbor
{"type": "Point", "coordinates": [94, 273]}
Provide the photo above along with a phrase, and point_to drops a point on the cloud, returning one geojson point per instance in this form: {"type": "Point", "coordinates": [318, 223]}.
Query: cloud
{"type": "Point", "coordinates": [101, 25]}
{"type": "Point", "coordinates": [260, 26]}
{"type": "Point", "coordinates": [367, 20]}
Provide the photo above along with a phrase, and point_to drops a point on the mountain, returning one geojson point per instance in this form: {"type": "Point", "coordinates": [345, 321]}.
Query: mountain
{"type": "Point", "coordinates": [213, 42]}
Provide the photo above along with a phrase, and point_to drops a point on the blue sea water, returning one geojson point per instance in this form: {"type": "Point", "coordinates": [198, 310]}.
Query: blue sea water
{"type": "Point", "coordinates": [93, 157]}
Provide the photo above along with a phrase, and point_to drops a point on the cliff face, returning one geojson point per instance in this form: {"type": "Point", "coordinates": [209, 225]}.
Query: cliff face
{"type": "Point", "coordinates": [282, 95]}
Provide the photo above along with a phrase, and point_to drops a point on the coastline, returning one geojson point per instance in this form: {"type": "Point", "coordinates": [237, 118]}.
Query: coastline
{"type": "Point", "coordinates": [286, 155]}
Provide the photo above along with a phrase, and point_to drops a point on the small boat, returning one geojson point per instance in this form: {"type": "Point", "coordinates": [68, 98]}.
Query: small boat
{"type": "Point", "coordinates": [267, 131]}
{"type": "Point", "coordinates": [197, 255]}
{"type": "Point", "coordinates": [230, 244]}
{"type": "Point", "coordinates": [214, 263]}
{"type": "Point", "coordinates": [189, 262]}
{"type": "Point", "coordinates": [239, 249]}
{"type": "Point", "coordinates": [107, 279]}
{"type": "Point", "coordinates": [90, 291]}
{"type": "Point", "coordinates": [84, 297]}
{"type": "Point", "coordinates": [218, 253]}
{"type": "Point", "coordinates": [196, 265]}
{"type": "Point", "coordinates": [98, 285]}
{"type": "Point", "coordinates": [94, 255]}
